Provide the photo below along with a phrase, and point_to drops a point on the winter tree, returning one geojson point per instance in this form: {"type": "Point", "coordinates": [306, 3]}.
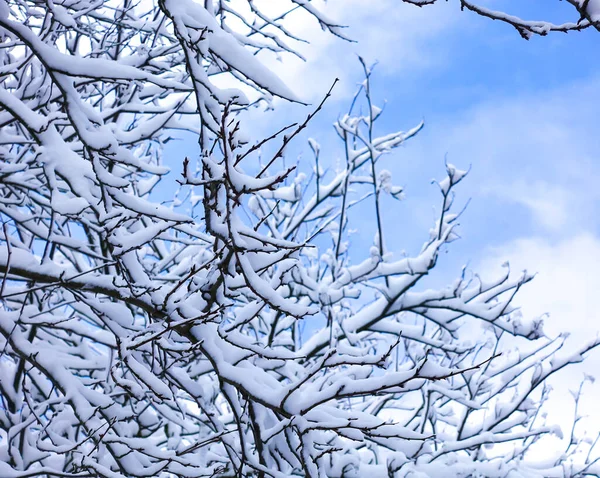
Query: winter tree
{"type": "Point", "coordinates": [139, 339]}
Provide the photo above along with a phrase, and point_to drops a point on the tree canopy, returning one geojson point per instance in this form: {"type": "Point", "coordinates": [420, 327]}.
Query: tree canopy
{"type": "Point", "coordinates": [229, 332]}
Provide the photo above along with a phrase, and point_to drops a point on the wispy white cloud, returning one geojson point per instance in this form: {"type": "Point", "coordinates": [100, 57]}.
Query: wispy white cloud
{"type": "Point", "coordinates": [536, 151]}
{"type": "Point", "coordinates": [548, 203]}
{"type": "Point", "coordinates": [400, 36]}
{"type": "Point", "coordinates": [549, 133]}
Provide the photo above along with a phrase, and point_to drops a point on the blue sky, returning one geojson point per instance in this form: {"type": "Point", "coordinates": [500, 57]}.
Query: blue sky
{"type": "Point", "coordinates": [522, 114]}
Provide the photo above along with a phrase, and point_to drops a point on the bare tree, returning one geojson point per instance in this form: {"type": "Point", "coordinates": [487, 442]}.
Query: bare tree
{"type": "Point", "coordinates": [137, 341]}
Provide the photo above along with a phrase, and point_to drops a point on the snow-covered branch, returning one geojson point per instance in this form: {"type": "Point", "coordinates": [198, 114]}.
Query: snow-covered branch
{"type": "Point", "coordinates": [587, 15]}
{"type": "Point", "coordinates": [140, 339]}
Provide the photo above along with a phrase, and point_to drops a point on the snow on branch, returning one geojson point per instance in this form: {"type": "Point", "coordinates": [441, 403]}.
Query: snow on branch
{"type": "Point", "coordinates": [588, 16]}
{"type": "Point", "coordinates": [237, 330]}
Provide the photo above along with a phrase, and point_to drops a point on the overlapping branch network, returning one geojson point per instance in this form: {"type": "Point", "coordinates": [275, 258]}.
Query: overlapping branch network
{"type": "Point", "coordinates": [137, 340]}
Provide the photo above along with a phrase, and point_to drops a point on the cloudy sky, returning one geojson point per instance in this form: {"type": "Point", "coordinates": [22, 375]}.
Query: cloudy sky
{"type": "Point", "coordinates": [522, 114]}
